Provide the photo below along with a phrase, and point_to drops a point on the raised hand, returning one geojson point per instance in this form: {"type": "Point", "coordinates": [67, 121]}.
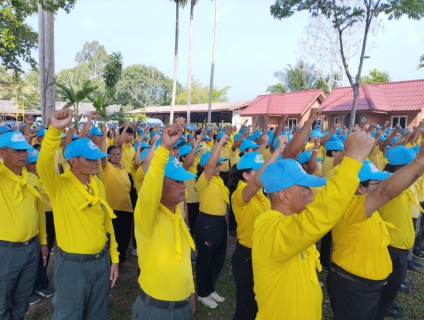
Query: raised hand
{"type": "Point", "coordinates": [282, 142]}
{"type": "Point", "coordinates": [224, 139]}
{"type": "Point", "coordinates": [61, 119]}
{"type": "Point", "coordinates": [170, 135]}
{"type": "Point", "coordinates": [358, 145]}
{"type": "Point", "coordinates": [315, 112]}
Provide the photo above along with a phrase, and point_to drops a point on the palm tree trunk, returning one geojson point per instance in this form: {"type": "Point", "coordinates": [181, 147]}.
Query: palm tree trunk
{"type": "Point", "coordinates": [174, 83]}
{"type": "Point", "coordinates": [41, 62]}
{"type": "Point", "coordinates": [190, 60]}
{"type": "Point", "coordinates": [215, 38]}
{"type": "Point", "coordinates": [49, 63]}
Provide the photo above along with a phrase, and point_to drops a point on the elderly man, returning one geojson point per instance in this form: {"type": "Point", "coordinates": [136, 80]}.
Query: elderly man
{"type": "Point", "coordinates": [22, 227]}
{"type": "Point", "coordinates": [84, 230]}
{"type": "Point", "coordinates": [283, 245]}
{"type": "Point", "coordinates": [166, 280]}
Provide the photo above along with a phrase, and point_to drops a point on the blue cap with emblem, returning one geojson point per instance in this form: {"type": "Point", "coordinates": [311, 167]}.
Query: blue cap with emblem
{"type": "Point", "coordinates": [85, 148]}
{"type": "Point", "coordinates": [205, 157]}
{"type": "Point", "coordinates": [306, 156]}
{"type": "Point", "coordinates": [251, 160]}
{"type": "Point", "coordinates": [400, 155]}
{"type": "Point", "coordinates": [95, 131]}
{"type": "Point", "coordinates": [4, 129]}
{"type": "Point", "coordinates": [370, 172]}
{"type": "Point", "coordinates": [174, 170]}
{"type": "Point", "coordinates": [14, 140]}
{"type": "Point", "coordinates": [247, 144]}
{"type": "Point", "coordinates": [33, 155]}
{"type": "Point", "coordinates": [40, 133]}
{"type": "Point", "coordinates": [143, 145]}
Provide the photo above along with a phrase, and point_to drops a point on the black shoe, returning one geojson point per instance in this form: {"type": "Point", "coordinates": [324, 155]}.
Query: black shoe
{"type": "Point", "coordinates": [409, 282]}
{"type": "Point", "coordinates": [404, 289]}
{"type": "Point", "coordinates": [397, 306]}
{"type": "Point", "coordinates": [412, 266]}
{"type": "Point", "coordinates": [417, 263]}
{"type": "Point", "coordinates": [392, 313]}
{"type": "Point", "coordinates": [418, 253]}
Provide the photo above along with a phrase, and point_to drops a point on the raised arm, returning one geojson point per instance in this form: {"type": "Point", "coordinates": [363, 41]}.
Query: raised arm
{"type": "Point", "coordinates": [149, 156]}
{"type": "Point", "coordinates": [136, 162]}
{"type": "Point", "coordinates": [189, 159]}
{"type": "Point", "coordinates": [277, 132]}
{"type": "Point", "coordinates": [390, 138]}
{"type": "Point", "coordinates": [121, 137]}
{"type": "Point", "coordinates": [312, 163]}
{"type": "Point", "coordinates": [213, 160]}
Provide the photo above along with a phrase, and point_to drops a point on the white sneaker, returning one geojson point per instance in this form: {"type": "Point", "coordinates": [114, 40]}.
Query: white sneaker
{"type": "Point", "coordinates": [217, 297]}
{"type": "Point", "coordinates": [134, 252]}
{"type": "Point", "coordinates": [208, 301]}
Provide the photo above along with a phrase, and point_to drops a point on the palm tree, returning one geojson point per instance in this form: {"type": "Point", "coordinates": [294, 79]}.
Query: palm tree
{"type": "Point", "coordinates": [190, 60]}
{"type": "Point", "coordinates": [421, 65]}
{"type": "Point", "coordinates": [277, 88]}
{"type": "Point", "coordinates": [297, 78]}
{"type": "Point", "coordinates": [178, 3]}
{"type": "Point", "coordinates": [215, 38]}
{"type": "Point", "coordinates": [101, 103]}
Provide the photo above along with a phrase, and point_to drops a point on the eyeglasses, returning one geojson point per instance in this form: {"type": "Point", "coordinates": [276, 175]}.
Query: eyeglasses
{"type": "Point", "coordinates": [219, 164]}
{"type": "Point", "coordinates": [374, 183]}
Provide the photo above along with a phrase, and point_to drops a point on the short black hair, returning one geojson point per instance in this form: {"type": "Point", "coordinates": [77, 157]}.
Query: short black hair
{"type": "Point", "coordinates": [365, 183]}
{"type": "Point", "coordinates": [330, 153]}
{"type": "Point", "coordinates": [129, 130]}
{"type": "Point", "coordinates": [109, 150]}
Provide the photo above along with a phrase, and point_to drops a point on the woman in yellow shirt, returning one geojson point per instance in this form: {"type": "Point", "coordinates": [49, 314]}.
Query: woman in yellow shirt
{"type": "Point", "coordinates": [248, 202]}
{"type": "Point", "coordinates": [118, 188]}
{"type": "Point", "coordinates": [211, 231]}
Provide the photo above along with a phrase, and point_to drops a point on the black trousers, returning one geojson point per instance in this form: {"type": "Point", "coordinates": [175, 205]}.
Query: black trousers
{"type": "Point", "coordinates": [246, 306]}
{"type": "Point", "coordinates": [122, 226]}
{"type": "Point", "coordinates": [42, 281]}
{"type": "Point", "coordinates": [352, 299]}
{"type": "Point", "coordinates": [325, 250]}
{"type": "Point", "coordinates": [133, 197]}
{"type": "Point", "coordinates": [193, 213]}
{"type": "Point", "coordinates": [211, 242]}
{"type": "Point", "coordinates": [395, 279]}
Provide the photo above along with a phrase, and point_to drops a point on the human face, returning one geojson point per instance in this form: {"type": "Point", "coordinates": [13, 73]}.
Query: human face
{"type": "Point", "coordinates": [173, 192]}
{"type": "Point", "coordinates": [40, 139]}
{"type": "Point", "coordinates": [85, 166]}
{"type": "Point", "coordinates": [128, 137]}
{"type": "Point", "coordinates": [298, 197]}
{"type": "Point", "coordinates": [97, 140]}
{"type": "Point", "coordinates": [372, 185]}
{"type": "Point", "coordinates": [217, 169]}
{"type": "Point", "coordinates": [249, 176]}
{"type": "Point", "coordinates": [115, 156]}
{"type": "Point", "coordinates": [175, 152]}
{"type": "Point", "coordinates": [335, 153]}
{"type": "Point", "coordinates": [14, 159]}
{"type": "Point", "coordinates": [32, 167]}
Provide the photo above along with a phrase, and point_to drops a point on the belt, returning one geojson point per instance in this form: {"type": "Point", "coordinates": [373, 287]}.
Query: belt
{"type": "Point", "coordinates": [161, 304]}
{"type": "Point", "coordinates": [211, 215]}
{"type": "Point", "coordinates": [397, 250]}
{"type": "Point", "coordinates": [11, 244]}
{"type": "Point", "coordinates": [343, 273]}
{"type": "Point", "coordinates": [77, 257]}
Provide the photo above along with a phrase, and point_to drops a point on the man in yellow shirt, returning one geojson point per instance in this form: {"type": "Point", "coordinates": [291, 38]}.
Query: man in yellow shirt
{"type": "Point", "coordinates": [22, 227]}
{"type": "Point", "coordinates": [283, 245]}
{"type": "Point", "coordinates": [166, 280]}
{"type": "Point", "coordinates": [83, 274]}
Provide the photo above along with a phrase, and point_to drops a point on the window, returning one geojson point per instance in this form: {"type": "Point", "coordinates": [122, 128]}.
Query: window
{"type": "Point", "coordinates": [292, 122]}
{"type": "Point", "coordinates": [401, 120]}
{"type": "Point", "coordinates": [336, 121]}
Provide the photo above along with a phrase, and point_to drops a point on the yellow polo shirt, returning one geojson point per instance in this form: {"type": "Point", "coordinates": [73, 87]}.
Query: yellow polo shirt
{"type": "Point", "coordinates": [234, 156]}
{"type": "Point", "coordinates": [139, 178]}
{"type": "Point", "coordinates": [266, 153]}
{"type": "Point", "coordinates": [45, 197]}
{"type": "Point", "coordinates": [225, 165]}
{"type": "Point", "coordinates": [210, 198]}
{"type": "Point", "coordinates": [165, 273]}
{"type": "Point", "coordinates": [118, 188]}
{"type": "Point", "coordinates": [246, 213]}
{"type": "Point", "coordinates": [327, 167]}
{"type": "Point", "coordinates": [22, 218]}
{"type": "Point", "coordinates": [360, 243]}
{"type": "Point", "coordinates": [128, 154]}
{"type": "Point", "coordinates": [376, 158]}
{"type": "Point", "coordinates": [284, 255]}
{"type": "Point", "coordinates": [398, 212]}
{"type": "Point", "coordinates": [81, 223]}
{"type": "Point", "coordinates": [203, 148]}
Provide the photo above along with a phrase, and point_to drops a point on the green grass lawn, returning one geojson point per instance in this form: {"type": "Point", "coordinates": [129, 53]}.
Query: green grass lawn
{"type": "Point", "coordinates": [125, 292]}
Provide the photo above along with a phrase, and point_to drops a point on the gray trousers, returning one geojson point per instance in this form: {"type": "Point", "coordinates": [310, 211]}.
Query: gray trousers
{"type": "Point", "coordinates": [82, 289]}
{"type": "Point", "coordinates": [18, 270]}
{"type": "Point", "coordinates": [142, 310]}
{"type": "Point", "coordinates": [417, 225]}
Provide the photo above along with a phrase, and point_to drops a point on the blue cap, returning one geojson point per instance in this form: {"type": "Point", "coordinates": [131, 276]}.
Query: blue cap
{"type": "Point", "coordinates": [143, 145]}
{"type": "Point", "coordinates": [179, 143]}
{"type": "Point", "coordinates": [334, 145]}
{"type": "Point", "coordinates": [219, 135]}
{"type": "Point", "coordinates": [339, 130]}
{"type": "Point", "coordinates": [399, 155]}
{"type": "Point", "coordinates": [293, 174]}
{"type": "Point", "coordinates": [175, 171]}
{"type": "Point", "coordinates": [139, 129]}
{"type": "Point", "coordinates": [382, 138]}
{"type": "Point", "coordinates": [40, 133]}
{"type": "Point", "coordinates": [342, 137]}
{"type": "Point", "coordinates": [205, 157]}
{"type": "Point", "coordinates": [85, 148]}
{"type": "Point", "coordinates": [184, 150]}
{"type": "Point", "coordinates": [74, 136]}
{"type": "Point", "coordinates": [206, 137]}
{"type": "Point", "coordinates": [144, 154]}
{"type": "Point", "coordinates": [251, 160]}
{"type": "Point", "coordinates": [243, 130]}
{"type": "Point", "coordinates": [306, 156]}
{"type": "Point", "coordinates": [275, 143]}
{"type": "Point", "coordinates": [237, 136]}
{"type": "Point", "coordinates": [378, 126]}
{"type": "Point", "coordinates": [394, 140]}
{"type": "Point", "coordinates": [270, 135]}
{"type": "Point", "coordinates": [374, 134]}
{"type": "Point", "coordinates": [95, 131]}
{"type": "Point", "coordinates": [4, 129]}
{"type": "Point", "coordinates": [33, 155]}
{"type": "Point", "coordinates": [415, 148]}
{"type": "Point", "coordinates": [316, 133]}
{"type": "Point", "coordinates": [208, 129]}
{"type": "Point", "coordinates": [256, 135]}
{"type": "Point", "coordinates": [370, 172]}
{"type": "Point", "coordinates": [21, 126]}
{"type": "Point", "coordinates": [246, 144]}
{"type": "Point", "coordinates": [14, 140]}
{"type": "Point", "coordinates": [191, 127]}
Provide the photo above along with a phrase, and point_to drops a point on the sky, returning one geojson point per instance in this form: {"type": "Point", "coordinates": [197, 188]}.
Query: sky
{"type": "Point", "coordinates": [251, 45]}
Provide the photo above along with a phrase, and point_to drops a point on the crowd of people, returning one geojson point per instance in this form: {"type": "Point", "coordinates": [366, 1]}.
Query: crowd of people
{"type": "Point", "coordinates": [177, 194]}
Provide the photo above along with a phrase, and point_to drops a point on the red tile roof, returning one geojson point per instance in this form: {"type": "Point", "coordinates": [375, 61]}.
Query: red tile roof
{"type": "Point", "coordinates": [294, 103]}
{"type": "Point", "coordinates": [391, 96]}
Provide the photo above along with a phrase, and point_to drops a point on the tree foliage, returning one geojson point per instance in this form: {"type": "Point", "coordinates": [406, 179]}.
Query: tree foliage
{"type": "Point", "coordinates": [376, 76]}
{"type": "Point", "coordinates": [93, 56]}
{"type": "Point", "coordinates": [200, 94]}
{"type": "Point", "coordinates": [101, 103]}
{"type": "Point", "coordinates": [277, 88]}
{"type": "Point", "coordinates": [421, 64]}
{"type": "Point", "coordinates": [112, 72]}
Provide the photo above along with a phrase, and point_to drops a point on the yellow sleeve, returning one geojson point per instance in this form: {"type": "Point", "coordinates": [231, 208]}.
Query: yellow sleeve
{"type": "Point", "coordinates": [286, 237]}
{"type": "Point", "coordinates": [46, 161]}
{"type": "Point", "coordinates": [147, 205]}
{"type": "Point", "coordinates": [42, 235]}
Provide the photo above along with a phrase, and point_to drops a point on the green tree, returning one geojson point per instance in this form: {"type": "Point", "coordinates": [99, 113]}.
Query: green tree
{"type": "Point", "coordinates": [143, 86]}
{"type": "Point", "coordinates": [376, 76]}
{"type": "Point", "coordinates": [113, 72]}
{"type": "Point", "coordinates": [421, 64]}
{"type": "Point", "coordinates": [343, 17]}
{"type": "Point", "coordinates": [94, 58]}
{"type": "Point", "coordinates": [296, 78]}
{"type": "Point", "coordinates": [101, 103]}
{"type": "Point", "coordinates": [277, 88]}
{"type": "Point", "coordinates": [200, 94]}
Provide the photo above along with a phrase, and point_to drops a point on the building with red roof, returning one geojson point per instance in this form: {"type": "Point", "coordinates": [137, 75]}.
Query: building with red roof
{"type": "Point", "coordinates": [397, 102]}
{"type": "Point", "coordinates": [267, 109]}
